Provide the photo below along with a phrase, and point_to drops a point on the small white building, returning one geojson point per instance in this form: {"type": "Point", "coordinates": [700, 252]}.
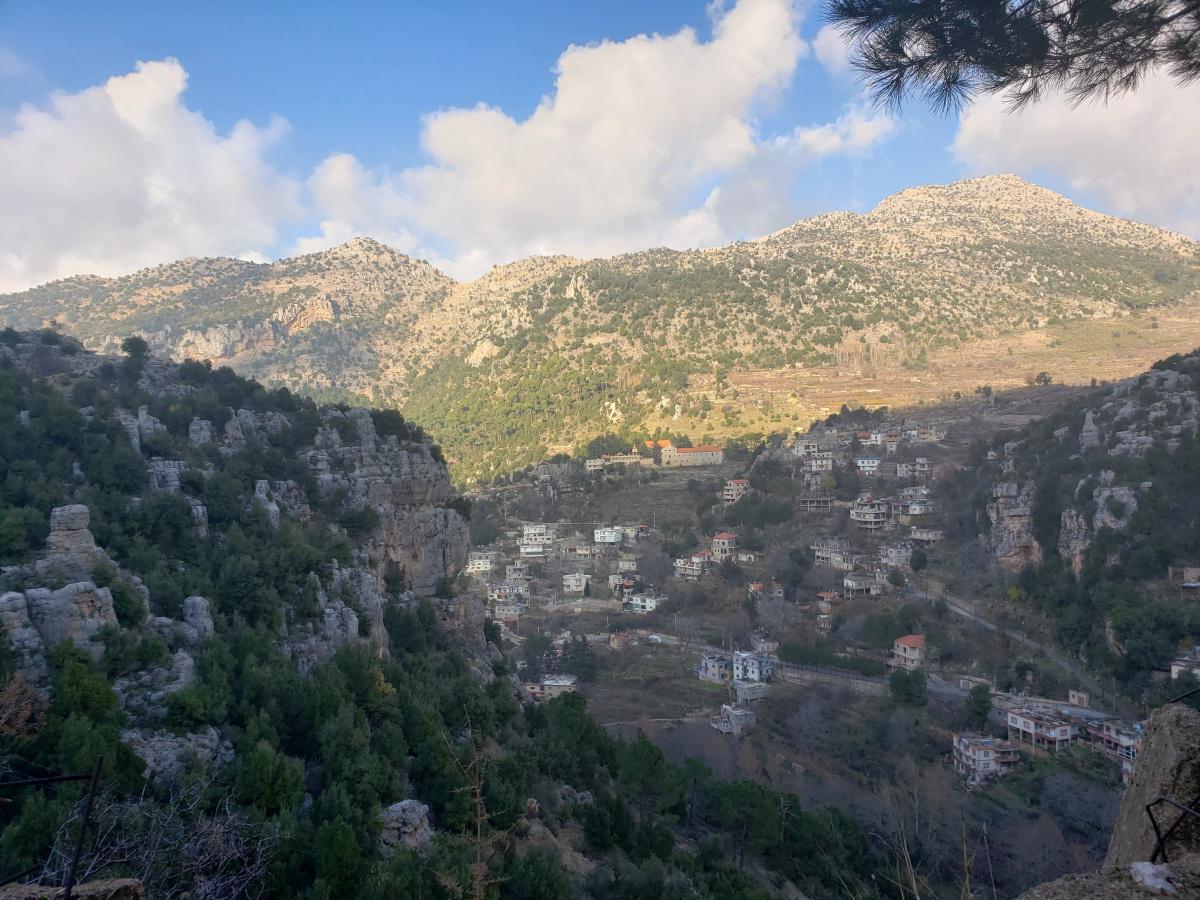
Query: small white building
{"type": "Point", "coordinates": [896, 556]}
{"type": "Point", "coordinates": [694, 567]}
{"type": "Point", "coordinates": [979, 759]}
{"type": "Point", "coordinates": [538, 533]}
{"type": "Point", "coordinates": [608, 535]}
{"type": "Point", "coordinates": [1040, 728]}
{"type": "Point", "coordinates": [751, 666]}
{"type": "Point", "coordinates": [922, 535]}
{"type": "Point", "coordinates": [867, 466]}
{"type": "Point", "coordinates": [646, 602]}
{"type": "Point", "coordinates": [627, 562]}
{"type": "Point", "coordinates": [576, 582]}
{"type": "Point", "coordinates": [482, 562]}
{"type": "Point", "coordinates": [871, 513]}
{"type": "Point", "coordinates": [594, 465]}
{"type": "Point", "coordinates": [517, 571]}
{"type": "Point", "coordinates": [532, 551]}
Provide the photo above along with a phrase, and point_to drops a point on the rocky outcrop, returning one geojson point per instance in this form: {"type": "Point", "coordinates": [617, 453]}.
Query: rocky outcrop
{"type": "Point", "coordinates": [144, 694]}
{"type": "Point", "coordinates": [39, 619]}
{"type": "Point", "coordinates": [1167, 766]}
{"type": "Point", "coordinates": [408, 489]}
{"type": "Point", "coordinates": [1011, 539]}
{"type": "Point", "coordinates": [168, 756]}
{"type": "Point", "coordinates": [405, 825]}
{"type": "Point", "coordinates": [1089, 434]}
{"type": "Point", "coordinates": [1074, 537]}
{"type": "Point", "coordinates": [71, 550]}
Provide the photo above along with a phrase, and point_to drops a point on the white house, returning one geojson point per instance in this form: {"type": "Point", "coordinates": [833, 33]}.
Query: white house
{"type": "Point", "coordinates": [735, 489]}
{"type": "Point", "coordinates": [750, 666]}
{"type": "Point", "coordinates": [644, 602]}
{"type": "Point", "coordinates": [867, 465]}
{"type": "Point", "coordinates": [482, 562]}
{"type": "Point", "coordinates": [692, 568]}
{"type": "Point", "coordinates": [538, 533]}
{"type": "Point", "coordinates": [611, 535]}
{"type": "Point", "coordinates": [576, 582]}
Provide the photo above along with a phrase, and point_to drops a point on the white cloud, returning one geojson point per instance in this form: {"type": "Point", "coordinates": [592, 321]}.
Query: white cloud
{"type": "Point", "coordinates": [124, 175]}
{"type": "Point", "coordinates": [833, 52]}
{"type": "Point", "coordinates": [644, 142]}
{"type": "Point", "coordinates": [855, 132]}
{"type": "Point", "coordinates": [1136, 155]}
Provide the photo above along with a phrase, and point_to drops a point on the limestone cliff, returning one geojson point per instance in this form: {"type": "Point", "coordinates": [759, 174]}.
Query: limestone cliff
{"type": "Point", "coordinates": [1011, 538]}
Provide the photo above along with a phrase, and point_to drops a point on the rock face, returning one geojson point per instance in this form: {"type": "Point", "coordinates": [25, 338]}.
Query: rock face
{"type": "Point", "coordinates": [405, 824]}
{"type": "Point", "coordinates": [1074, 538]}
{"type": "Point", "coordinates": [168, 756]}
{"type": "Point", "coordinates": [408, 489]}
{"type": "Point", "coordinates": [70, 548]}
{"type": "Point", "coordinates": [39, 619]}
{"type": "Point", "coordinates": [1011, 539]}
{"type": "Point", "coordinates": [1169, 765]}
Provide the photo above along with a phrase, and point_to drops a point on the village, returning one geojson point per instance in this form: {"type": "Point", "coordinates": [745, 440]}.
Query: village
{"type": "Point", "coordinates": [862, 518]}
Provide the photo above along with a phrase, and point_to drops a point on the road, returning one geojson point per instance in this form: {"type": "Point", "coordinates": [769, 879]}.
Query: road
{"type": "Point", "coordinates": [1088, 681]}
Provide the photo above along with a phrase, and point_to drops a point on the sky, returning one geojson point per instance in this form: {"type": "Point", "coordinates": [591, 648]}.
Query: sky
{"type": "Point", "coordinates": [472, 134]}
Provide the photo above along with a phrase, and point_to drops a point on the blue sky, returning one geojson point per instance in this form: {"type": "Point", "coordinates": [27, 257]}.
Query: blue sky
{"type": "Point", "coordinates": [340, 141]}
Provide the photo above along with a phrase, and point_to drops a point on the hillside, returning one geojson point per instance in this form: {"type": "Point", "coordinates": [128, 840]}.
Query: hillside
{"type": "Point", "coordinates": [718, 342]}
{"type": "Point", "coordinates": [238, 606]}
{"type": "Point", "coordinates": [1089, 508]}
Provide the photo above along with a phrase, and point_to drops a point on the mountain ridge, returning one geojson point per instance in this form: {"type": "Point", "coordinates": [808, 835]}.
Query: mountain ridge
{"type": "Point", "coordinates": [544, 351]}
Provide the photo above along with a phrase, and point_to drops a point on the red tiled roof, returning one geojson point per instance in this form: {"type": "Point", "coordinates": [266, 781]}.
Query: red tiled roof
{"type": "Point", "coordinates": [911, 640]}
{"type": "Point", "coordinates": [724, 536]}
{"type": "Point", "coordinates": [738, 481]}
{"type": "Point", "coordinates": [706, 448]}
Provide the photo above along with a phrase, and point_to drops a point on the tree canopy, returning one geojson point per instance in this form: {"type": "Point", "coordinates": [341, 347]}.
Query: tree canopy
{"type": "Point", "coordinates": [947, 52]}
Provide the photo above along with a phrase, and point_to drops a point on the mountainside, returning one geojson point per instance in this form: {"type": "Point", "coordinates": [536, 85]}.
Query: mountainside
{"type": "Point", "coordinates": [1090, 507]}
{"type": "Point", "coordinates": [546, 352]}
{"type": "Point", "coordinates": [239, 608]}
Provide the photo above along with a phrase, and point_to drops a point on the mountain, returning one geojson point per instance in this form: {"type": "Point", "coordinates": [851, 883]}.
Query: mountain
{"type": "Point", "coordinates": [539, 355]}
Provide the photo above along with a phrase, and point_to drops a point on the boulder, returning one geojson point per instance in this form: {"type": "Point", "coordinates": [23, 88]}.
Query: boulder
{"type": "Point", "coordinates": [196, 614]}
{"type": "Point", "coordinates": [108, 889]}
{"type": "Point", "coordinates": [405, 824]}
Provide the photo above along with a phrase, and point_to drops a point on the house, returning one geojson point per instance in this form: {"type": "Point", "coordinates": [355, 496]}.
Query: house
{"type": "Point", "coordinates": [715, 667]}
{"type": "Point", "coordinates": [921, 535]}
{"type": "Point", "coordinates": [814, 501]}
{"type": "Point", "coordinates": [1188, 662]}
{"type": "Point", "coordinates": [751, 666]}
{"type": "Point", "coordinates": [825, 623]}
{"type": "Point", "coordinates": [550, 471]}
{"type": "Point", "coordinates": [763, 644]}
{"type": "Point", "coordinates": [627, 562]}
{"type": "Point", "coordinates": [621, 459]}
{"type": "Point", "coordinates": [724, 545]}
{"type": "Point", "coordinates": [482, 562]}
{"type": "Point", "coordinates": [693, 568]}
{"type": "Point", "coordinates": [908, 652]}
{"type": "Point", "coordinates": [747, 556]}
{"type": "Point", "coordinates": [538, 533]}
{"type": "Point", "coordinates": [869, 513]}
{"type": "Point", "coordinates": [868, 466]}
{"type": "Point", "coordinates": [835, 553]}
{"type": "Point", "coordinates": [532, 551]}
{"type": "Point", "coordinates": [1118, 739]}
{"type": "Point", "coordinates": [706, 455]}
{"type": "Point", "coordinates": [609, 535]}
{"type": "Point", "coordinates": [576, 583]}
{"type": "Point", "coordinates": [859, 584]}
{"type": "Point", "coordinates": [821, 461]}
{"type": "Point", "coordinates": [896, 556]}
{"type": "Point", "coordinates": [594, 465]}
{"type": "Point", "coordinates": [643, 603]}
{"type": "Point", "coordinates": [891, 442]}
{"type": "Point", "coordinates": [827, 600]}
{"type": "Point", "coordinates": [507, 610]}
{"type": "Point", "coordinates": [979, 759]}
{"type": "Point", "coordinates": [557, 685]}
{"type": "Point", "coordinates": [733, 720]}
{"type": "Point", "coordinates": [1040, 728]}
{"type": "Point", "coordinates": [748, 691]}
{"type": "Point", "coordinates": [1183, 574]}
{"type": "Point", "coordinates": [516, 571]}
{"type": "Point", "coordinates": [922, 468]}
{"type": "Point", "coordinates": [735, 489]}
